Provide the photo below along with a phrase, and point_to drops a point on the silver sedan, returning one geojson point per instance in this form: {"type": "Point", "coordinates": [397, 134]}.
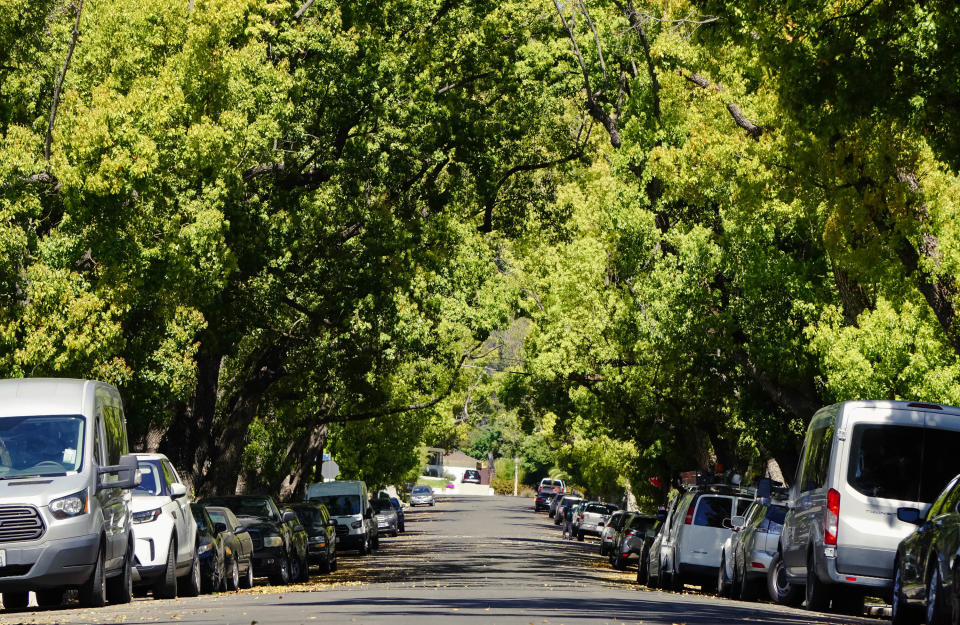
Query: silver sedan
{"type": "Point", "coordinates": [422, 496]}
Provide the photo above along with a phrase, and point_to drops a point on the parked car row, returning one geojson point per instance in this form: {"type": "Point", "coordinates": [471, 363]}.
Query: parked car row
{"type": "Point", "coordinates": [874, 510]}
{"type": "Point", "coordinates": [68, 522]}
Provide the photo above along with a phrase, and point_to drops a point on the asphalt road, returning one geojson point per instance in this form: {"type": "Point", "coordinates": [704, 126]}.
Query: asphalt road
{"type": "Point", "coordinates": [467, 561]}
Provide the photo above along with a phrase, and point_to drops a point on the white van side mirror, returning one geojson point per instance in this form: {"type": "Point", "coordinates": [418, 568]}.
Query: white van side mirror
{"type": "Point", "coordinates": [127, 474]}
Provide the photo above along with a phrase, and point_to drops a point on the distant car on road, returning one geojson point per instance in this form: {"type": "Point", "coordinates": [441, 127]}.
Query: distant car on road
{"type": "Point", "coordinates": [387, 521]}
{"type": "Point", "coordinates": [421, 495]}
{"type": "Point", "coordinates": [748, 553]}
{"type": "Point", "coordinates": [566, 502]}
{"type": "Point", "coordinates": [471, 476]}
{"type": "Point", "coordinates": [556, 486]}
{"type": "Point", "coordinates": [321, 534]}
{"type": "Point", "coordinates": [211, 552]}
{"type": "Point", "coordinates": [553, 502]}
{"type": "Point", "coordinates": [237, 543]}
{"type": "Point", "coordinates": [613, 524]}
{"type": "Point", "coordinates": [633, 540]}
{"type": "Point", "coordinates": [593, 517]}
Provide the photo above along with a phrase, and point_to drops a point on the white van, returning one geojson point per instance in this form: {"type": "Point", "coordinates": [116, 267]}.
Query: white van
{"type": "Point", "coordinates": [349, 506]}
{"type": "Point", "coordinates": [861, 461]}
{"type": "Point", "coordinates": [64, 500]}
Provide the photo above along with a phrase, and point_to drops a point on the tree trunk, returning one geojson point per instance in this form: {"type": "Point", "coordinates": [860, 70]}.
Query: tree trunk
{"type": "Point", "coordinates": [307, 454]}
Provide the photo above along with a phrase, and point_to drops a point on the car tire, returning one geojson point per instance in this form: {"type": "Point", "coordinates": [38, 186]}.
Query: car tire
{"type": "Point", "coordinates": [618, 562]}
{"type": "Point", "coordinates": [817, 593]}
{"type": "Point", "coordinates": [296, 569]}
{"type": "Point", "coordinates": [642, 569]}
{"type": "Point", "coordinates": [282, 576]}
{"type": "Point", "coordinates": [247, 580]}
{"type": "Point", "coordinates": [93, 592]}
{"type": "Point", "coordinates": [304, 569]}
{"type": "Point", "coordinates": [748, 588]}
{"type": "Point", "coordinates": [901, 613]}
{"type": "Point", "coordinates": [15, 600]}
{"type": "Point", "coordinates": [48, 598]}
{"type": "Point", "coordinates": [190, 584]}
{"type": "Point", "coordinates": [723, 582]}
{"type": "Point", "coordinates": [937, 606]}
{"type": "Point", "coordinates": [325, 565]}
{"type": "Point", "coordinates": [781, 591]}
{"type": "Point", "coordinates": [364, 547]}
{"type": "Point", "coordinates": [580, 536]}
{"type": "Point", "coordinates": [166, 585]}
{"type": "Point", "coordinates": [334, 565]}
{"type": "Point", "coordinates": [120, 588]}
{"type": "Point", "coordinates": [233, 582]}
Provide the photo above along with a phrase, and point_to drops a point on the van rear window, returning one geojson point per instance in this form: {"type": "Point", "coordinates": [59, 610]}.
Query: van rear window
{"type": "Point", "coordinates": [711, 511]}
{"type": "Point", "coordinates": [902, 462]}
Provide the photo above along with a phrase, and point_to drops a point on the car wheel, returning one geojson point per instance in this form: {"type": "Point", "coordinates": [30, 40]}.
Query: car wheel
{"type": "Point", "coordinates": [817, 593]}
{"type": "Point", "coordinates": [166, 586]}
{"type": "Point", "coordinates": [618, 562]}
{"type": "Point", "coordinates": [580, 536]}
{"type": "Point", "coordinates": [120, 588]}
{"type": "Point", "coordinates": [325, 565]}
{"type": "Point", "coordinates": [50, 598]}
{"type": "Point", "coordinates": [723, 582]}
{"type": "Point", "coordinates": [333, 565]}
{"type": "Point", "coordinates": [93, 593]}
{"type": "Point", "coordinates": [304, 569]}
{"type": "Point", "coordinates": [282, 576]}
{"type": "Point", "coordinates": [642, 569]}
{"type": "Point", "coordinates": [16, 600]}
{"type": "Point", "coordinates": [189, 584]}
{"type": "Point", "coordinates": [247, 580]}
{"type": "Point", "coordinates": [781, 591]}
{"type": "Point", "coordinates": [936, 600]}
{"type": "Point", "coordinates": [748, 589]}
{"type": "Point", "coordinates": [364, 547]}
{"type": "Point", "coordinates": [234, 581]}
{"type": "Point", "coordinates": [650, 581]}
{"type": "Point", "coordinates": [296, 570]}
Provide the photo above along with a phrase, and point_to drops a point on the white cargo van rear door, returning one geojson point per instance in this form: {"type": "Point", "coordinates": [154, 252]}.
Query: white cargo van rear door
{"type": "Point", "coordinates": [702, 538]}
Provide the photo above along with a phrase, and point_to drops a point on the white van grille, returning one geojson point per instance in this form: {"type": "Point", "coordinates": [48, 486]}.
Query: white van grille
{"type": "Point", "coordinates": [20, 523]}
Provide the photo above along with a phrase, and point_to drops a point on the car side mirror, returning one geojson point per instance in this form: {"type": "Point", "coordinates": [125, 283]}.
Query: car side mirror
{"type": "Point", "coordinates": [910, 515]}
{"type": "Point", "coordinates": [737, 523]}
{"type": "Point", "coordinates": [289, 517]}
{"type": "Point", "coordinates": [240, 529]}
{"type": "Point", "coordinates": [177, 490]}
{"type": "Point", "coordinates": [219, 528]}
{"type": "Point", "coordinates": [332, 523]}
{"type": "Point", "coordinates": [127, 474]}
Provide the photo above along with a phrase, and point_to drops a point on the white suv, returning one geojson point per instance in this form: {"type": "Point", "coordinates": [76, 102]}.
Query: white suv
{"type": "Point", "coordinates": [165, 531]}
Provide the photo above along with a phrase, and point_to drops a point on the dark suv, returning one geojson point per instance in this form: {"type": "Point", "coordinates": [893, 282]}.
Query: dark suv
{"type": "Point", "coordinates": [321, 532]}
{"type": "Point", "coordinates": [279, 541]}
{"type": "Point", "coordinates": [471, 476]}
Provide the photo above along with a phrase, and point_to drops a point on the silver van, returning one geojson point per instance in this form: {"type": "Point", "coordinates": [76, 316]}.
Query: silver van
{"type": "Point", "coordinates": [64, 499]}
{"type": "Point", "coordinates": [861, 461]}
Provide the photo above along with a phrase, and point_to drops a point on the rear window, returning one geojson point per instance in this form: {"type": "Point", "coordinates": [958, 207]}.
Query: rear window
{"type": "Point", "coordinates": [902, 462]}
{"type": "Point", "coordinates": [711, 511]}
{"type": "Point", "coordinates": [596, 507]}
{"type": "Point", "coordinates": [642, 523]}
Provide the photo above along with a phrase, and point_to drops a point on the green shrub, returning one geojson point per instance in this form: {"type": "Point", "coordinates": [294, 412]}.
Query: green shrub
{"type": "Point", "coordinates": [502, 486]}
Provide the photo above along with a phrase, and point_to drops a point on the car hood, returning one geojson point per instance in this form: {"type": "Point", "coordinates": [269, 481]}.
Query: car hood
{"type": "Point", "coordinates": [40, 491]}
{"type": "Point", "coordinates": [259, 525]}
{"type": "Point", "coordinates": [140, 503]}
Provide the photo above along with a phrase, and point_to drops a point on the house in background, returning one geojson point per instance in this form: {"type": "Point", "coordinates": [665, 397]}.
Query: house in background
{"type": "Point", "coordinates": [454, 463]}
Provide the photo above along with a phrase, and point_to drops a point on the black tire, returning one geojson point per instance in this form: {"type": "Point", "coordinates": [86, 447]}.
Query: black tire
{"type": "Point", "coordinates": [781, 591]}
{"type": "Point", "coordinates": [120, 588]}
{"type": "Point", "coordinates": [901, 612]}
{"type": "Point", "coordinates": [938, 608]}
{"type": "Point", "coordinates": [649, 580]}
{"type": "Point", "coordinates": [816, 592]}
{"type": "Point", "coordinates": [304, 570]}
{"type": "Point", "coordinates": [190, 584]}
{"type": "Point", "coordinates": [49, 598]}
{"type": "Point", "coordinates": [364, 547]}
{"type": "Point", "coordinates": [282, 576]}
{"type": "Point", "coordinates": [749, 589]}
{"type": "Point", "coordinates": [325, 565]}
{"type": "Point", "coordinates": [676, 582]}
{"type": "Point", "coordinates": [93, 592]}
{"type": "Point", "coordinates": [166, 586]}
{"type": "Point", "coordinates": [233, 582]}
{"type": "Point", "coordinates": [580, 536]}
{"type": "Point", "coordinates": [618, 562]}
{"type": "Point", "coordinates": [247, 580]}
{"type": "Point", "coordinates": [723, 582]}
{"type": "Point", "coordinates": [642, 569]}
{"type": "Point", "coordinates": [296, 570]}
{"type": "Point", "coordinates": [15, 600]}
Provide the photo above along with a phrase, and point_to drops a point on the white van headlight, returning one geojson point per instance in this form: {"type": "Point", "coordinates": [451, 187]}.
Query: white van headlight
{"type": "Point", "coordinates": [272, 541]}
{"type": "Point", "coordinates": [69, 506]}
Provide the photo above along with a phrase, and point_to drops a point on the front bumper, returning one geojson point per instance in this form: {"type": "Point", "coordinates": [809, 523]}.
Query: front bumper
{"type": "Point", "coordinates": [421, 501]}
{"type": "Point", "coordinates": [268, 560]}
{"type": "Point", "coordinates": [49, 564]}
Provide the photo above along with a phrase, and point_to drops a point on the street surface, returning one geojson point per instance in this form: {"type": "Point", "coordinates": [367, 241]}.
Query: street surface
{"type": "Point", "coordinates": [467, 561]}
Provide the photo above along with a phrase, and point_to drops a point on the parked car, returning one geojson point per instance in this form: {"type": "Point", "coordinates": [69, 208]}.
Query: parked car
{"type": "Point", "coordinates": [653, 575]}
{"type": "Point", "coordinates": [421, 495]}
{"type": "Point", "coordinates": [555, 499]}
{"type": "Point", "coordinates": [388, 524]}
{"type": "Point", "coordinates": [211, 552]}
{"type": "Point", "coordinates": [749, 550]}
{"type": "Point", "coordinates": [632, 540]}
{"type": "Point", "coordinates": [321, 534]}
{"type": "Point", "coordinates": [471, 476]}
{"type": "Point", "coordinates": [926, 580]}
{"type": "Point", "coordinates": [689, 551]}
{"type": "Point", "coordinates": [861, 462]}
{"type": "Point", "coordinates": [238, 546]}
{"type": "Point", "coordinates": [543, 498]}
{"type": "Point", "coordinates": [613, 524]}
{"type": "Point", "coordinates": [347, 502]}
{"type": "Point", "coordinates": [167, 561]}
{"type": "Point", "coordinates": [401, 520]}
{"type": "Point", "coordinates": [554, 485]}
{"type": "Point", "coordinates": [65, 498]}
{"type": "Point", "coordinates": [593, 517]}
{"type": "Point", "coordinates": [567, 501]}
{"type": "Point", "coordinates": [279, 542]}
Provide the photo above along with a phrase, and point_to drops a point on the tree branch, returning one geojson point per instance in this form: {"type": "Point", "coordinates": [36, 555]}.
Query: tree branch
{"type": "Point", "coordinates": [303, 9]}
{"type": "Point", "coordinates": [739, 118]}
{"type": "Point", "coordinates": [59, 85]}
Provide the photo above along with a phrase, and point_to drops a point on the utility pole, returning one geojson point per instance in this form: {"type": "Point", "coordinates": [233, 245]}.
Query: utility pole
{"type": "Point", "coordinates": [516, 475]}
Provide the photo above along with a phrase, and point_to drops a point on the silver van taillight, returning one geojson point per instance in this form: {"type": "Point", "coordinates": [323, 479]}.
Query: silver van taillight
{"type": "Point", "coordinates": [831, 519]}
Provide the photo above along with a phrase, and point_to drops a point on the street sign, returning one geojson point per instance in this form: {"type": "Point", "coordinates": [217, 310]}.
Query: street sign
{"type": "Point", "coordinates": [325, 457]}
{"type": "Point", "coordinates": [329, 470]}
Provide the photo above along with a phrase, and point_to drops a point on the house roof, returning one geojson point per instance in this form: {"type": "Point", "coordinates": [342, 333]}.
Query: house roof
{"type": "Point", "coordinates": [457, 458]}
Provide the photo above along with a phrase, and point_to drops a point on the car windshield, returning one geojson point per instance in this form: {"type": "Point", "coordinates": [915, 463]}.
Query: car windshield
{"type": "Point", "coordinates": [340, 505]}
{"type": "Point", "coordinates": [150, 480]}
{"type": "Point", "coordinates": [248, 506]}
{"type": "Point", "coordinates": [382, 505]}
{"type": "Point", "coordinates": [40, 445]}
{"type": "Point", "coordinates": [421, 490]}
{"type": "Point", "coordinates": [310, 516]}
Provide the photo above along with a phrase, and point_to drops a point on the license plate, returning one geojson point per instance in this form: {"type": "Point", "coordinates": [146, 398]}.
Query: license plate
{"type": "Point", "coordinates": [3, 557]}
{"type": "Point", "coordinates": [383, 525]}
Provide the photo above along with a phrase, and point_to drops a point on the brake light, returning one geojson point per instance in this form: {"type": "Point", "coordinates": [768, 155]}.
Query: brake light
{"type": "Point", "coordinates": [631, 532]}
{"type": "Point", "coordinates": [831, 521]}
{"type": "Point", "coordinates": [581, 516]}
{"type": "Point", "coordinates": [689, 518]}
{"type": "Point", "coordinates": [757, 565]}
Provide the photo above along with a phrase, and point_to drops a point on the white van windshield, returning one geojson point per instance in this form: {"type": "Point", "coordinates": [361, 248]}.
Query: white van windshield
{"type": "Point", "coordinates": [40, 446]}
{"type": "Point", "coordinates": [902, 462]}
{"type": "Point", "coordinates": [340, 505]}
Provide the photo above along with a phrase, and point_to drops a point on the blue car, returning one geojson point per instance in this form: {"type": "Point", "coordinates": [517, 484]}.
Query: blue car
{"type": "Point", "coordinates": [399, 507]}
